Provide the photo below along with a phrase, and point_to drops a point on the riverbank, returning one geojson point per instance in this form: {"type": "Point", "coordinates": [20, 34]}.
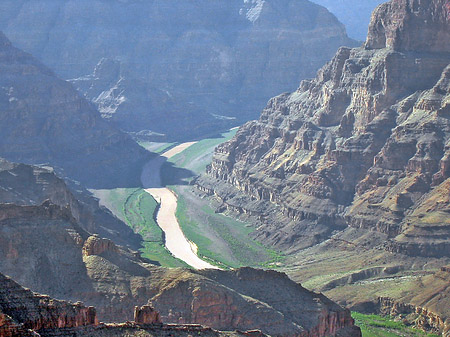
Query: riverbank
{"type": "Point", "coordinates": [175, 241]}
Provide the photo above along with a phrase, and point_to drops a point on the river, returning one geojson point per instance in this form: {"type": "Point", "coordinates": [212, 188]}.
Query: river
{"type": "Point", "coordinates": [178, 245]}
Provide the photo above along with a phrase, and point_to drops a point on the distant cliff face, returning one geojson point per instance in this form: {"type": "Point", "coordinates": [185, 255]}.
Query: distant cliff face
{"type": "Point", "coordinates": [197, 60]}
{"type": "Point", "coordinates": [44, 120]}
{"type": "Point", "coordinates": [364, 144]}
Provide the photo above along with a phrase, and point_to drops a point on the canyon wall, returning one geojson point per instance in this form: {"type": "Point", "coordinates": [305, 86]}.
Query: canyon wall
{"type": "Point", "coordinates": [205, 65]}
{"type": "Point", "coordinates": [45, 247]}
{"type": "Point", "coordinates": [364, 144]}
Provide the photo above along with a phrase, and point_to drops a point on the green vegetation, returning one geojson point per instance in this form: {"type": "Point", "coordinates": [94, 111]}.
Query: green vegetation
{"type": "Point", "coordinates": [377, 326]}
{"type": "Point", "coordinates": [220, 238]}
{"type": "Point", "coordinates": [137, 209]}
{"type": "Point", "coordinates": [197, 156]}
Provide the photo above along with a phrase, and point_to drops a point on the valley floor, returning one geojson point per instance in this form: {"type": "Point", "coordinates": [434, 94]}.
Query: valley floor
{"type": "Point", "coordinates": [347, 273]}
{"type": "Point", "coordinates": [175, 241]}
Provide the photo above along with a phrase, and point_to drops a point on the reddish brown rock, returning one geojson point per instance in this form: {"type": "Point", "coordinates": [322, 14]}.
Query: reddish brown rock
{"type": "Point", "coordinates": [146, 315]}
{"type": "Point", "coordinates": [249, 299]}
{"type": "Point", "coordinates": [411, 25]}
{"type": "Point", "coordinates": [22, 310]}
{"type": "Point", "coordinates": [96, 245]}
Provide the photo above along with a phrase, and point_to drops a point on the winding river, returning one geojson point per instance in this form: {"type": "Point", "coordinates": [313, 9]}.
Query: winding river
{"type": "Point", "coordinates": [176, 242]}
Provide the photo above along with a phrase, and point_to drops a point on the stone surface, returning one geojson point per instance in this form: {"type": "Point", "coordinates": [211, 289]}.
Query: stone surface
{"type": "Point", "coordinates": [247, 299]}
{"type": "Point", "coordinates": [44, 120]}
{"type": "Point", "coordinates": [44, 246]}
{"type": "Point", "coordinates": [194, 60]}
{"type": "Point", "coordinates": [22, 311]}
{"type": "Point", "coordinates": [146, 315]}
{"type": "Point", "coordinates": [364, 144]}
{"type": "Point", "coordinates": [96, 245]}
{"type": "Point", "coordinates": [27, 185]}
{"type": "Point", "coordinates": [354, 165]}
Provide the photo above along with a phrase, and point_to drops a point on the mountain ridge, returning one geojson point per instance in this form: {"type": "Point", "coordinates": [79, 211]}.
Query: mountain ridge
{"type": "Point", "coordinates": [211, 62]}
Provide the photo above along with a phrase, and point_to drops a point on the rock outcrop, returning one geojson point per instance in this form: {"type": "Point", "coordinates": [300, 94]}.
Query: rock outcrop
{"type": "Point", "coordinates": [354, 165]}
{"type": "Point", "coordinates": [146, 315]}
{"type": "Point", "coordinates": [44, 120]}
{"type": "Point", "coordinates": [198, 63]}
{"type": "Point", "coordinates": [22, 311]}
{"type": "Point", "coordinates": [27, 185]}
{"type": "Point", "coordinates": [246, 299]}
{"type": "Point", "coordinates": [45, 246]}
{"type": "Point", "coordinates": [364, 144]}
{"type": "Point", "coordinates": [96, 245]}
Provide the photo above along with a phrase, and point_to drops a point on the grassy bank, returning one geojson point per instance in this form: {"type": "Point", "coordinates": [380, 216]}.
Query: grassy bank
{"type": "Point", "coordinates": [219, 238]}
{"type": "Point", "coordinates": [377, 326]}
{"type": "Point", "coordinates": [196, 157]}
{"type": "Point", "coordinates": [222, 238]}
{"type": "Point", "coordinates": [137, 209]}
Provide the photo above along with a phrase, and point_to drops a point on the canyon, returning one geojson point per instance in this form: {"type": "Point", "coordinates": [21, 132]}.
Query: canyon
{"type": "Point", "coordinates": [208, 65]}
{"type": "Point", "coordinates": [352, 166]}
{"type": "Point", "coordinates": [346, 178]}
{"type": "Point", "coordinates": [45, 247]}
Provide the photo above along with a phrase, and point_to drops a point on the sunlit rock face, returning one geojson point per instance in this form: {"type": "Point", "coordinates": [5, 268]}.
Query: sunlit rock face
{"type": "Point", "coordinates": [185, 62]}
{"type": "Point", "coordinates": [364, 144]}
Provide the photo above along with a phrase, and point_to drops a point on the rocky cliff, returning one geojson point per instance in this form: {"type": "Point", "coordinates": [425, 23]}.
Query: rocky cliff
{"type": "Point", "coordinates": [354, 165]}
{"type": "Point", "coordinates": [26, 185]}
{"type": "Point", "coordinates": [249, 299]}
{"type": "Point", "coordinates": [44, 248]}
{"type": "Point", "coordinates": [24, 313]}
{"type": "Point", "coordinates": [364, 144]}
{"type": "Point", "coordinates": [195, 61]}
{"type": "Point", "coordinates": [44, 120]}
{"type": "Point", "coordinates": [45, 245]}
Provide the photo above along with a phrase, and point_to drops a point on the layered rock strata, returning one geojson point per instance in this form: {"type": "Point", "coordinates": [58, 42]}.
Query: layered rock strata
{"type": "Point", "coordinates": [24, 313]}
{"type": "Point", "coordinates": [245, 299]}
{"type": "Point", "coordinates": [364, 144]}
{"type": "Point", "coordinates": [46, 247]}
{"type": "Point", "coordinates": [26, 185]}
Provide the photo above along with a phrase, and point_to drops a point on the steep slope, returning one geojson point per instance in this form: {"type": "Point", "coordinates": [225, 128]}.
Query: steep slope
{"type": "Point", "coordinates": [363, 144]}
{"type": "Point", "coordinates": [44, 120]}
{"type": "Point", "coordinates": [26, 185]}
{"type": "Point", "coordinates": [24, 313]}
{"type": "Point", "coordinates": [209, 57]}
{"type": "Point", "coordinates": [354, 165]}
{"type": "Point", "coordinates": [49, 253]}
{"type": "Point", "coordinates": [44, 247]}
